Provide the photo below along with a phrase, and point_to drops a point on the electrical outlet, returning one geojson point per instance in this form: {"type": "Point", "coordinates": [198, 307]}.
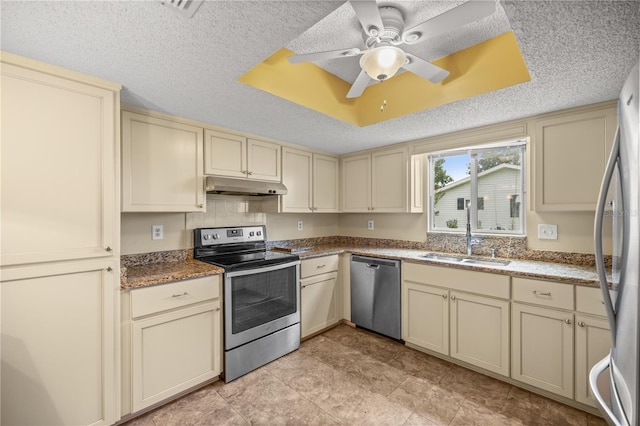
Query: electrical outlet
{"type": "Point", "coordinates": [370, 225]}
{"type": "Point", "coordinates": [157, 232]}
{"type": "Point", "coordinates": [300, 225]}
{"type": "Point", "coordinates": [547, 232]}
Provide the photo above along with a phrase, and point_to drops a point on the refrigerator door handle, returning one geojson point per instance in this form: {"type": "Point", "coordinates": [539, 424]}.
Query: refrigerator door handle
{"type": "Point", "coordinates": [595, 372]}
{"type": "Point", "coordinates": [602, 201]}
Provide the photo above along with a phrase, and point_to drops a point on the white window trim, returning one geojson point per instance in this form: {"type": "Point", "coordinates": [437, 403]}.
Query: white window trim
{"type": "Point", "coordinates": [472, 151]}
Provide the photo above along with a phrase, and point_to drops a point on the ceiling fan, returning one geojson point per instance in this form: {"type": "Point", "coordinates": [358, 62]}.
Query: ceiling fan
{"type": "Point", "coordinates": [383, 31]}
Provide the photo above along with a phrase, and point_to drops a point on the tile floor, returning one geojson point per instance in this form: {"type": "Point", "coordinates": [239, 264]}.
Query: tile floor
{"type": "Point", "coordinates": [352, 377]}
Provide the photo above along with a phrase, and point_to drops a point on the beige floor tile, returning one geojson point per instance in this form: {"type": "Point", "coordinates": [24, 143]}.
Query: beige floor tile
{"type": "Point", "coordinates": [375, 409]}
{"type": "Point", "coordinates": [473, 414]}
{"type": "Point", "coordinates": [477, 387]}
{"type": "Point", "coordinates": [367, 343]}
{"type": "Point", "coordinates": [303, 412]}
{"type": "Point", "coordinates": [417, 420]}
{"type": "Point", "coordinates": [428, 399]}
{"type": "Point", "coordinates": [420, 364]}
{"type": "Point", "coordinates": [595, 421]}
{"type": "Point", "coordinates": [534, 409]}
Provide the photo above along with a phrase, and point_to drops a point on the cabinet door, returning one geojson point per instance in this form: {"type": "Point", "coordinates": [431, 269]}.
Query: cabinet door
{"type": "Point", "coordinates": [425, 316]}
{"type": "Point", "coordinates": [297, 177]}
{"type": "Point", "coordinates": [225, 154]}
{"type": "Point", "coordinates": [325, 184]}
{"type": "Point", "coordinates": [389, 181]}
{"type": "Point", "coordinates": [584, 137]}
{"type": "Point", "coordinates": [173, 352]}
{"type": "Point", "coordinates": [318, 303]}
{"type": "Point", "coordinates": [263, 160]}
{"type": "Point", "coordinates": [356, 184]}
{"type": "Point", "coordinates": [58, 169]}
{"type": "Point", "coordinates": [162, 167]}
{"type": "Point", "coordinates": [58, 337]}
{"type": "Point", "coordinates": [480, 331]}
{"type": "Point", "coordinates": [593, 342]}
{"type": "Point", "coordinates": [542, 348]}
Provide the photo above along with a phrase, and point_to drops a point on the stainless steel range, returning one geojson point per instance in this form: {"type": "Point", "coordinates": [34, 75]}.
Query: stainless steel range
{"type": "Point", "coordinates": [261, 296]}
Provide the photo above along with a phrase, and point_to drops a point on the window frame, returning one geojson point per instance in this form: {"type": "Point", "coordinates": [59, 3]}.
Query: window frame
{"type": "Point", "coordinates": [473, 152]}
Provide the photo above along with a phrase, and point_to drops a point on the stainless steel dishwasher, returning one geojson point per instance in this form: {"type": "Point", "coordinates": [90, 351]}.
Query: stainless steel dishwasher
{"type": "Point", "coordinates": [375, 295]}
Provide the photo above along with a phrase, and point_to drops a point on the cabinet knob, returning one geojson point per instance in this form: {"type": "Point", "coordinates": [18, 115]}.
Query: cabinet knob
{"type": "Point", "coordinates": [444, 296]}
{"type": "Point", "coordinates": [453, 298]}
{"type": "Point", "coordinates": [107, 248]}
{"type": "Point", "coordinates": [567, 321]}
{"type": "Point", "coordinates": [200, 206]}
{"type": "Point", "coordinates": [311, 208]}
{"type": "Point", "coordinates": [581, 324]}
{"type": "Point", "coordinates": [217, 309]}
{"type": "Point", "coordinates": [109, 269]}
{"type": "Point", "coordinates": [249, 173]}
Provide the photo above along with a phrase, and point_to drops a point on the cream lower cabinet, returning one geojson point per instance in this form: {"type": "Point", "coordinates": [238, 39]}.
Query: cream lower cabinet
{"type": "Point", "coordinates": [480, 331]}
{"type": "Point", "coordinates": [173, 341]}
{"type": "Point", "coordinates": [162, 164]}
{"type": "Point", "coordinates": [425, 316]}
{"type": "Point", "coordinates": [319, 294]}
{"type": "Point", "coordinates": [376, 182]}
{"type": "Point", "coordinates": [542, 351]}
{"type": "Point", "coordinates": [311, 180]}
{"type": "Point", "coordinates": [470, 325]}
{"type": "Point", "coordinates": [58, 344]}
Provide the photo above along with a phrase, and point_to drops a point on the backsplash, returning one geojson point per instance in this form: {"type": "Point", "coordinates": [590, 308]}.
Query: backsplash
{"type": "Point", "coordinates": [228, 211]}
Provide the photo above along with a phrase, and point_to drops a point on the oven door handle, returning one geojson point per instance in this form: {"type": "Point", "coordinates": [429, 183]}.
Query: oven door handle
{"type": "Point", "coordinates": [262, 269]}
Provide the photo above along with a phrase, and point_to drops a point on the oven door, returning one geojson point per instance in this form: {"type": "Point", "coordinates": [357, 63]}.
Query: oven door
{"type": "Point", "coordinates": [260, 301]}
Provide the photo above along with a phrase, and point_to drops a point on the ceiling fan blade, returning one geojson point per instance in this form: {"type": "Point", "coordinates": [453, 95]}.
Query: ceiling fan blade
{"type": "Point", "coordinates": [369, 16]}
{"type": "Point", "coordinates": [425, 69]}
{"type": "Point", "coordinates": [458, 16]}
{"type": "Point", "coordinates": [318, 56]}
{"type": "Point", "coordinates": [361, 83]}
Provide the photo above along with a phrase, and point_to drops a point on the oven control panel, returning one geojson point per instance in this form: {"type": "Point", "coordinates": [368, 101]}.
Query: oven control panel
{"type": "Point", "coordinates": [231, 235]}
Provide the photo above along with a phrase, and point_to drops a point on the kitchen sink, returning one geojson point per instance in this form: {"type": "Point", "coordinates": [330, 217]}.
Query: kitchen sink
{"type": "Point", "coordinates": [465, 260]}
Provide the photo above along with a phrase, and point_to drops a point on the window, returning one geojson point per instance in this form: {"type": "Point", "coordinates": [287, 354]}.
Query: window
{"type": "Point", "coordinates": [493, 175]}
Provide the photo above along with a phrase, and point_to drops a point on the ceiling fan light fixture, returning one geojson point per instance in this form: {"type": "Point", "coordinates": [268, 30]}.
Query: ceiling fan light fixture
{"type": "Point", "coordinates": [382, 62]}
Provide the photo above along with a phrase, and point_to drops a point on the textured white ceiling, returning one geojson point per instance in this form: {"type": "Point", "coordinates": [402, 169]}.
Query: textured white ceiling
{"type": "Point", "coordinates": [578, 52]}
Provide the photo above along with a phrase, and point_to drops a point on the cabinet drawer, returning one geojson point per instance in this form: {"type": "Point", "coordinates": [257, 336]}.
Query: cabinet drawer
{"type": "Point", "coordinates": [159, 298]}
{"type": "Point", "coordinates": [589, 300]}
{"type": "Point", "coordinates": [318, 265]}
{"type": "Point", "coordinates": [546, 293]}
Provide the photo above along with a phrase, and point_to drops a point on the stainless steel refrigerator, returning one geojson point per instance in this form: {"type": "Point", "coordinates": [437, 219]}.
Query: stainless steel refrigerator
{"type": "Point", "coordinates": [620, 284]}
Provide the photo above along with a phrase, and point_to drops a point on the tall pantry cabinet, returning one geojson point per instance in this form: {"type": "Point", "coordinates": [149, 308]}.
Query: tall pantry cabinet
{"type": "Point", "coordinates": [59, 241]}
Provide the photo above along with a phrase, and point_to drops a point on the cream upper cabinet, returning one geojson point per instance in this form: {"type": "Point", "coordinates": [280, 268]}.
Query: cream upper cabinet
{"type": "Point", "coordinates": [377, 182]}
{"type": "Point", "coordinates": [232, 155]}
{"type": "Point", "coordinates": [58, 165]}
{"type": "Point", "coordinates": [58, 343]}
{"type": "Point", "coordinates": [311, 181]}
{"type": "Point", "coordinates": [162, 168]}
{"type": "Point", "coordinates": [570, 152]}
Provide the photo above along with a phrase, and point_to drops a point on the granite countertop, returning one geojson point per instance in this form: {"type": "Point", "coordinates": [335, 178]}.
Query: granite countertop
{"type": "Point", "coordinates": [165, 272]}
{"type": "Point", "coordinates": [571, 274]}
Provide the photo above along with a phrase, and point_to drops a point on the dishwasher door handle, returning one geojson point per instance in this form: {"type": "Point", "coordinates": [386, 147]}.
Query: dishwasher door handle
{"type": "Point", "coordinates": [372, 266]}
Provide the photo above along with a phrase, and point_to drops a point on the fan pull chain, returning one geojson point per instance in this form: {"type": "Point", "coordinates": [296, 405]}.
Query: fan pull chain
{"type": "Point", "coordinates": [384, 100]}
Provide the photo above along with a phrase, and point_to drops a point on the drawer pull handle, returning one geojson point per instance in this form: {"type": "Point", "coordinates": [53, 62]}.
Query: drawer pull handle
{"type": "Point", "coordinates": [320, 266]}
{"type": "Point", "coordinates": [541, 293]}
{"type": "Point", "coordinates": [567, 321]}
{"type": "Point", "coordinates": [180, 295]}
{"type": "Point", "coordinates": [581, 324]}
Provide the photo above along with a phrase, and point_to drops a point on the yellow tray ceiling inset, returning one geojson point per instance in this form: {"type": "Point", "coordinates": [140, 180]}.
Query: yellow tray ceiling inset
{"type": "Point", "coordinates": [491, 65]}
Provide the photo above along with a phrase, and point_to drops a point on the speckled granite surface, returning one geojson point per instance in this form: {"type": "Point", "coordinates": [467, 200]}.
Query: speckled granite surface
{"type": "Point", "coordinates": [161, 272]}
{"type": "Point", "coordinates": [572, 274]}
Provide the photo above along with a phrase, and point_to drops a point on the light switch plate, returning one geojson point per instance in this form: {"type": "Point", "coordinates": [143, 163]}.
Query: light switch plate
{"type": "Point", "coordinates": [547, 232]}
{"type": "Point", "coordinates": [370, 225]}
{"type": "Point", "coordinates": [157, 232]}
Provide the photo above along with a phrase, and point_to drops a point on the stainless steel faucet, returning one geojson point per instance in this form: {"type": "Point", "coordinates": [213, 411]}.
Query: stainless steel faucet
{"type": "Point", "coordinates": [471, 241]}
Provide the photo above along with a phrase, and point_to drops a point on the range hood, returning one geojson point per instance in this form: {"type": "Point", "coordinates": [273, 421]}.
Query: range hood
{"type": "Point", "coordinates": [232, 186]}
